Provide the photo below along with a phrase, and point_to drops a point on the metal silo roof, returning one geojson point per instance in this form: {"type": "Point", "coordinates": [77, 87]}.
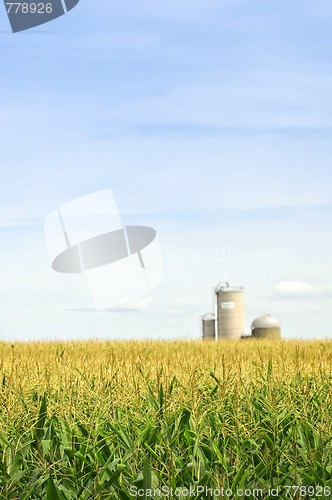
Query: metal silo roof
{"type": "Point", "coordinates": [224, 286]}
{"type": "Point", "coordinates": [208, 317]}
{"type": "Point", "coordinates": [265, 321]}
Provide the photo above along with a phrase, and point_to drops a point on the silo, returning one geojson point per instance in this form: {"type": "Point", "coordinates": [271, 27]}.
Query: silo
{"type": "Point", "coordinates": [230, 311]}
{"type": "Point", "coordinates": [209, 326]}
{"type": "Point", "coordinates": [247, 333]}
{"type": "Point", "coordinates": [266, 327]}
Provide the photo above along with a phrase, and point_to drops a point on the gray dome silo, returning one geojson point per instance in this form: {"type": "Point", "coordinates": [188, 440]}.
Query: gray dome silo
{"type": "Point", "coordinates": [209, 326]}
{"type": "Point", "coordinates": [266, 327]}
{"type": "Point", "coordinates": [230, 311]}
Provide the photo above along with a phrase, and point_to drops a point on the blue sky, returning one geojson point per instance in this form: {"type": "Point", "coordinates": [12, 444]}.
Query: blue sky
{"type": "Point", "coordinates": [210, 120]}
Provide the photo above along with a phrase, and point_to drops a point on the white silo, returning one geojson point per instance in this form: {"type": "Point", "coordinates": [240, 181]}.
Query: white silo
{"type": "Point", "coordinates": [247, 333]}
{"type": "Point", "coordinates": [230, 311]}
{"type": "Point", "coordinates": [209, 327]}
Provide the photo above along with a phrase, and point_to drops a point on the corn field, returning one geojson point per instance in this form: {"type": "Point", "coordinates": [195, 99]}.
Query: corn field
{"type": "Point", "coordinates": [122, 420]}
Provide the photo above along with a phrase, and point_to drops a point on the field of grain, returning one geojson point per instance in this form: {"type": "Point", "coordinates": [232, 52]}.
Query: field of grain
{"type": "Point", "coordinates": [123, 420]}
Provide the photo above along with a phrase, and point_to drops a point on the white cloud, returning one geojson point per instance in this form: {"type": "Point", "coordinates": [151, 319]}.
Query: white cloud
{"type": "Point", "coordinates": [293, 289]}
{"type": "Point", "coordinates": [300, 289]}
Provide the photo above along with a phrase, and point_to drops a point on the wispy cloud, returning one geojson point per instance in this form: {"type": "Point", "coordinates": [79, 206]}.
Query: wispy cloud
{"type": "Point", "coordinates": [293, 289]}
{"type": "Point", "coordinates": [300, 290]}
